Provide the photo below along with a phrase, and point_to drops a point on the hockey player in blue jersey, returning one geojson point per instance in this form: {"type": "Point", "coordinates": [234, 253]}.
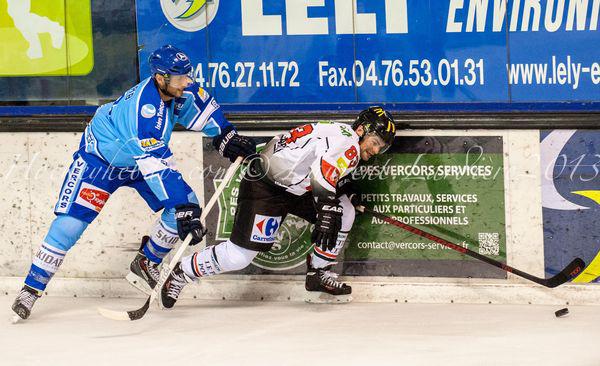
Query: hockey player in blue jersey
{"type": "Point", "coordinates": [127, 144]}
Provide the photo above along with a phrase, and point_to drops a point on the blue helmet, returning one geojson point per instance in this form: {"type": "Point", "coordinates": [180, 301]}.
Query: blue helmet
{"type": "Point", "coordinates": [169, 60]}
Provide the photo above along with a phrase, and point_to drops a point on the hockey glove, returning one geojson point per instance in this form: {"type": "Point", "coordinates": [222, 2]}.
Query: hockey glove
{"type": "Point", "coordinates": [188, 222]}
{"type": "Point", "coordinates": [328, 224]}
{"type": "Point", "coordinates": [349, 187]}
{"type": "Point", "coordinates": [231, 145]}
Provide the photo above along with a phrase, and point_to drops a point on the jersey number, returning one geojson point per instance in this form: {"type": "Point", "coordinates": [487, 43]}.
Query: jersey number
{"type": "Point", "coordinates": [299, 132]}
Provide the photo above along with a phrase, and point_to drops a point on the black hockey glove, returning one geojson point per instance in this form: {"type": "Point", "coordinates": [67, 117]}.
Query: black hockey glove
{"type": "Point", "coordinates": [231, 145]}
{"type": "Point", "coordinates": [328, 224]}
{"type": "Point", "coordinates": [188, 222]}
{"type": "Point", "coordinates": [346, 186]}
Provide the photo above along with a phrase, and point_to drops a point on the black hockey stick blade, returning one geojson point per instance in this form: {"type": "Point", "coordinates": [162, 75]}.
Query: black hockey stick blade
{"type": "Point", "coordinates": [570, 271]}
{"type": "Point", "coordinates": [139, 313]}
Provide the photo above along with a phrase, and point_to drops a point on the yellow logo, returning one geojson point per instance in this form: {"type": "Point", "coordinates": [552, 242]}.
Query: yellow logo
{"type": "Point", "coordinates": [151, 144]}
{"type": "Point", "coordinates": [342, 165]}
{"type": "Point", "coordinates": [46, 38]}
{"type": "Point", "coordinates": [203, 95]}
{"type": "Point", "coordinates": [391, 128]}
{"type": "Point", "coordinates": [380, 112]}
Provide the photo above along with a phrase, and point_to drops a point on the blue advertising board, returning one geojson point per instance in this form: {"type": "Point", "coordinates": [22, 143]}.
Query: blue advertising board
{"type": "Point", "coordinates": [571, 199]}
{"type": "Point", "coordinates": [296, 55]}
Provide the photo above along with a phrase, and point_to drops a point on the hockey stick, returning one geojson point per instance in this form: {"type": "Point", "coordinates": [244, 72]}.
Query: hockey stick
{"type": "Point", "coordinates": [165, 272]}
{"type": "Point", "coordinates": [570, 271]}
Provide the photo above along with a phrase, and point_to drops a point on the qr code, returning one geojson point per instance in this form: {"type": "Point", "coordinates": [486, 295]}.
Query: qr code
{"type": "Point", "coordinates": [489, 243]}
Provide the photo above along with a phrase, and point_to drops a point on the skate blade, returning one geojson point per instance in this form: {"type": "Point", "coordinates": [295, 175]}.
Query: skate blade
{"type": "Point", "coordinates": [137, 282]}
{"type": "Point", "coordinates": [314, 297]}
{"type": "Point", "coordinates": [15, 319]}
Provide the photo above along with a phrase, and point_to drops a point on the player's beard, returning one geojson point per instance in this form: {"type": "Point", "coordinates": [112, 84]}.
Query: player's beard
{"type": "Point", "coordinates": [165, 89]}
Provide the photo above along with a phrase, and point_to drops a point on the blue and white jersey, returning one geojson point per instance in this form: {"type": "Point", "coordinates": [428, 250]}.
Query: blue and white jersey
{"type": "Point", "coordinates": [134, 131]}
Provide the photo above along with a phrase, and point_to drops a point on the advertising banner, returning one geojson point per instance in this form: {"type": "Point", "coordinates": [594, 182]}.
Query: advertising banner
{"type": "Point", "coordinates": [571, 200]}
{"type": "Point", "coordinates": [46, 38]}
{"type": "Point", "coordinates": [452, 187]}
{"type": "Point", "coordinates": [72, 51]}
{"type": "Point", "coordinates": [306, 54]}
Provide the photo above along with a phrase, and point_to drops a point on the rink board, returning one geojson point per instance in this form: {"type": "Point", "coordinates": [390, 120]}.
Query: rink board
{"type": "Point", "coordinates": [34, 165]}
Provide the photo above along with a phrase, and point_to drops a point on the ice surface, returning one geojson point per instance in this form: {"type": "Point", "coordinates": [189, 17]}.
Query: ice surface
{"type": "Point", "coordinates": [69, 331]}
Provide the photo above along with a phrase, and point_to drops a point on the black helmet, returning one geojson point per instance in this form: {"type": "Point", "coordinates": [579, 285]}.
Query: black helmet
{"type": "Point", "coordinates": [377, 121]}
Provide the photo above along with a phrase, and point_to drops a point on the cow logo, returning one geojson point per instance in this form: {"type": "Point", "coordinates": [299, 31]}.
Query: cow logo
{"type": "Point", "coordinates": [265, 228]}
{"type": "Point", "coordinates": [190, 15]}
{"type": "Point", "coordinates": [148, 111]}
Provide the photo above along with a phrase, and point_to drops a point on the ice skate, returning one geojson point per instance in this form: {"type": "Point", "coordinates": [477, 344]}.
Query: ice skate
{"type": "Point", "coordinates": [172, 287]}
{"type": "Point", "coordinates": [322, 285]}
{"type": "Point", "coordinates": [24, 302]}
{"type": "Point", "coordinates": [144, 274]}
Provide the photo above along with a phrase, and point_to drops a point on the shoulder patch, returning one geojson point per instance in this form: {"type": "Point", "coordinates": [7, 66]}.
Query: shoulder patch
{"type": "Point", "coordinates": [148, 111]}
{"type": "Point", "coordinates": [203, 95]}
{"type": "Point", "coordinates": [151, 144]}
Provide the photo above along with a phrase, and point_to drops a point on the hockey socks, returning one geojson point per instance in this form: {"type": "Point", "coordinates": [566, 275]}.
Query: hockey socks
{"type": "Point", "coordinates": [162, 240]}
{"type": "Point", "coordinates": [224, 257]}
{"type": "Point", "coordinates": [45, 264]}
{"type": "Point", "coordinates": [321, 258]}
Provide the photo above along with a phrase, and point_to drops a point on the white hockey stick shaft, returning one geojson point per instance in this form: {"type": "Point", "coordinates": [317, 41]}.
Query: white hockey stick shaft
{"type": "Point", "coordinates": [139, 313]}
{"type": "Point", "coordinates": [177, 256]}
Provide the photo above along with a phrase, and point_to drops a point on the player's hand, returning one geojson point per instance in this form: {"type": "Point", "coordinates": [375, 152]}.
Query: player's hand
{"type": "Point", "coordinates": [231, 145]}
{"type": "Point", "coordinates": [328, 224]}
{"type": "Point", "coordinates": [188, 222]}
{"type": "Point", "coordinates": [349, 187]}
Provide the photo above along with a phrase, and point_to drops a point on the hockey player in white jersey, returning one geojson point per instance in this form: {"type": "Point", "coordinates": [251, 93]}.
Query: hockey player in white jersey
{"type": "Point", "coordinates": [127, 144]}
{"type": "Point", "coordinates": [299, 173]}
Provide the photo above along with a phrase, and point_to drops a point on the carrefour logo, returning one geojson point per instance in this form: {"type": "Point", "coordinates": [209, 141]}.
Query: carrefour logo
{"type": "Point", "coordinates": [190, 15]}
{"type": "Point", "coordinates": [268, 227]}
{"type": "Point", "coordinates": [265, 228]}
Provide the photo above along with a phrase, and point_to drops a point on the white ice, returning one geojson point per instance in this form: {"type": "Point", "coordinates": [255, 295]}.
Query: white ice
{"type": "Point", "coordinates": [69, 331]}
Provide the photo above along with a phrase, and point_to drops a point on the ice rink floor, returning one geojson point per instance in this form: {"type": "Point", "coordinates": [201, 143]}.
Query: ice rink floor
{"type": "Point", "coordinates": [69, 331]}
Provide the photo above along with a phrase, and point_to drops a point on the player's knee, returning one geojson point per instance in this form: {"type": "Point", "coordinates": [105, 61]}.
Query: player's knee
{"type": "Point", "coordinates": [232, 257]}
{"type": "Point", "coordinates": [65, 231]}
{"type": "Point", "coordinates": [349, 213]}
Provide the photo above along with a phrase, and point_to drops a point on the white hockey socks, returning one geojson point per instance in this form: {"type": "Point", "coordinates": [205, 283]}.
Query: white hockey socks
{"type": "Point", "coordinates": [323, 258]}
{"type": "Point", "coordinates": [162, 240]}
{"type": "Point", "coordinates": [212, 260]}
{"type": "Point", "coordinates": [45, 264]}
